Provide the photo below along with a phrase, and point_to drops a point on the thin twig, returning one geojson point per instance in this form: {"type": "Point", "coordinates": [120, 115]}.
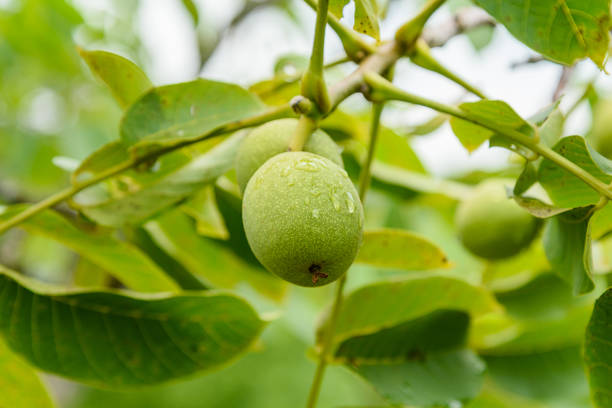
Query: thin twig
{"type": "Point", "coordinates": [534, 59]}
{"type": "Point", "coordinates": [384, 90]}
{"type": "Point", "coordinates": [356, 48]}
{"type": "Point", "coordinates": [465, 20]}
{"type": "Point", "coordinates": [382, 59]}
{"type": "Point", "coordinates": [366, 170]}
{"type": "Point", "coordinates": [207, 50]}
{"type": "Point", "coordinates": [60, 196]}
{"type": "Point", "coordinates": [292, 79]}
{"type": "Point", "coordinates": [566, 74]}
{"type": "Point", "coordinates": [328, 343]}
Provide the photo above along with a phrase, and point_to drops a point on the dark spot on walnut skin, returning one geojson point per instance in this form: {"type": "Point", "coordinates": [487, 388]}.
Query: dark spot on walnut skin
{"type": "Point", "coordinates": [315, 270]}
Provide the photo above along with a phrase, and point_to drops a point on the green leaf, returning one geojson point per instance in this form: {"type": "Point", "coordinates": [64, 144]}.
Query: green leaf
{"type": "Point", "coordinates": [203, 208]}
{"type": "Point", "coordinates": [542, 114]}
{"type": "Point", "coordinates": [413, 340]}
{"type": "Point", "coordinates": [440, 379]}
{"type": "Point", "coordinates": [291, 62]}
{"type": "Point", "coordinates": [393, 248]}
{"type": "Point", "coordinates": [562, 30]}
{"type": "Point", "coordinates": [20, 385]}
{"type": "Point", "coordinates": [538, 208]}
{"type": "Point", "coordinates": [209, 259]}
{"type": "Point", "coordinates": [114, 340]}
{"type": "Point", "coordinates": [495, 397]}
{"type": "Point", "coordinates": [88, 275]}
{"type": "Point", "coordinates": [480, 36]}
{"type": "Point", "coordinates": [386, 304]}
{"type": "Point", "coordinates": [497, 113]}
{"type": "Point", "coordinates": [395, 150]}
{"type": "Point", "coordinates": [527, 178]}
{"type": "Point", "coordinates": [119, 259]}
{"type": "Point", "coordinates": [567, 243]}
{"type": "Point", "coordinates": [230, 206]}
{"type": "Point", "coordinates": [470, 135]}
{"type": "Point", "coordinates": [172, 114]}
{"type": "Point", "coordinates": [276, 91]}
{"type": "Point", "coordinates": [551, 129]}
{"type": "Point", "coordinates": [545, 297]}
{"type": "Point", "coordinates": [125, 79]}
{"type": "Point", "coordinates": [564, 188]}
{"type": "Point", "coordinates": [598, 351]}
{"type": "Point", "coordinates": [602, 258]}
{"type": "Point", "coordinates": [192, 10]}
{"type": "Point", "coordinates": [353, 131]}
{"type": "Point", "coordinates": [428, 126]}
{"type": "Point", "coordinates": [544, 315]}
{"type": "Point", "coordinates": [336, 7]}
{"type": "Point", "coordinates": [139, 237]}
{"type": "Point", "coordinates": [135, 196]}
{"type": "Point", "coordinates": [107, 156]}
{"type": "Point", "coordinates": [511, 273]}
{"type": "Point", "coordinates": [600, 160]}
{"type": "Point", "coordinates": [366, 18]}
{"type": "Point", "coordinates": [343, 126]}
{"type": "Point", "coordinates": [555, 377]}
{"type": "Point", "coordinates": [601, 222]}
{"type": "Point", "coordinates": [417, 181]}
{"type": "Point", "coordinates": [366, 15]}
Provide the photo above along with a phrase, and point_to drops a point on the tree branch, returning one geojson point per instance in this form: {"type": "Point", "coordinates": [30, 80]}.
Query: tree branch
{"type": "Point", "coordinates": [564, 78]}
{"type": "Point", "coordinates": [384, 90]}
{"type": "Point", "coordinates": [464, 21]}
{"type": "Point", "coordinates": [385, 56]}
{"type": "Point", "coordinates": [356, 48]}
{"type": "Point", "coordinates": [378, 62]}
{"type": "Point", "coordinates": [534, 59]}
{"type": "Point", "coordinates": [207, 50]}
{"type": "Point", "coordinates": [313, 84]}
{"type": "Point", "coordinates": [274, 113]}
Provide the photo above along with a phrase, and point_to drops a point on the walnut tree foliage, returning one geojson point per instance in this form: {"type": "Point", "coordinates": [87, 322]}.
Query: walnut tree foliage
{"type": "Point", "coordinates": [126, 270]}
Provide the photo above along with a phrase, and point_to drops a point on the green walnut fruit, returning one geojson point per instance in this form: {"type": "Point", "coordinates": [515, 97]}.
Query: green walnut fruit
{"type": "Point", "coordinates": [493, 226]}
{"type": "Point", "coordinates": [303, 218]}
{"type": "Point", "coordinates": [273, 138]}
{"type": "Point", "coordinates": [601, 134]}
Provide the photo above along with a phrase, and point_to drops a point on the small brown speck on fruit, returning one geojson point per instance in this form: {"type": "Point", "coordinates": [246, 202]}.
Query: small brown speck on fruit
{"type": "Point", "coordinates": [315, 270]}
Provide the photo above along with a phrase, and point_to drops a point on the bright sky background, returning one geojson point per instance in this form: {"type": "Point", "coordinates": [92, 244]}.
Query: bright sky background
{"type": "Point", "coordinates": [249, 52]}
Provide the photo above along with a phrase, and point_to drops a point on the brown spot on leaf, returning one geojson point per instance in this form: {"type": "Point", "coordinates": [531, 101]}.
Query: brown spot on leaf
{"type": "Point", "coordinates": [416, 355]}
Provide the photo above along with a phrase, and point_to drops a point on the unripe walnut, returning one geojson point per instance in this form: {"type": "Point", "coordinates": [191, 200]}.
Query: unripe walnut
{"type": "Point", "coordinates": [273, 138]}
{"type": "Point", "coordinates": [303, 218]}
{"type": "Point", "coordinates": [493, 226]}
